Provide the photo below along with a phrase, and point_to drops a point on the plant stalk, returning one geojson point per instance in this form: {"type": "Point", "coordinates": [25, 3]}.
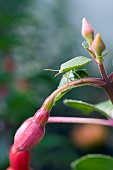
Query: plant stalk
{"type": "Point", "coordinates": [108, 87]}
{"type": "Point", "coordinates": [85, 81]}
{"type": "Point", "coordinates": [80, 120]}
{"type": "Point", "coordinates": [48, 103]}
{"type": "Point", "coordinates": [103, 72]}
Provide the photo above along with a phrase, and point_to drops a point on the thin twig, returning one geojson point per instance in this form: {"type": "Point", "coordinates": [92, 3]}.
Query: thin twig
{"type": "Point", "coordinates": [85, 81]}
{"type": "Point", "coordinates": [80, 120]}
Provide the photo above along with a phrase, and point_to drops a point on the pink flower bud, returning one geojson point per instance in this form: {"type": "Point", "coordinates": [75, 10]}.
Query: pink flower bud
{"type": "Point", "coordinates": [87, 31]}
{"type": "Point", "coordinates": [98, 45]}
{"type": "Point", "coordinates": [41, 116]}
{"type": "Point", "coordinates": [19, 161]}
{"type": "Point", "coordinates": [28, 135]}
{"type": "Point", "coordinates": [32, 130]}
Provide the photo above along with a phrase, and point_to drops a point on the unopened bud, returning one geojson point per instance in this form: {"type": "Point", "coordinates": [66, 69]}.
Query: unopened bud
{"type": "Point", "coordinates": [19, 161]}
{"type": "Point", "coordinates": [87, 31]}
{"type": "Point", "coordinates": [41, 117]}
{"type": "Point", "coordinates": [98, 45]}
{"type": "Point", "coordinates": [32, 130]}
{"type": "Point", "coordinates": [28, 135]}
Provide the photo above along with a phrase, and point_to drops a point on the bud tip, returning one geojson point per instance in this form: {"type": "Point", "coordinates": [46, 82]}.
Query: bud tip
{"type": "Point", "coordinates": [86, 27]}
{"type": "Point", "coordinates": [87, 31]}
{"type": "Point", "coordinates": [98, 44]}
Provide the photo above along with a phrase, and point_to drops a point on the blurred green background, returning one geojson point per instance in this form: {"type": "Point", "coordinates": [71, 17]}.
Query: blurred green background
{"type": "Point", "coordinates": [34, 35]}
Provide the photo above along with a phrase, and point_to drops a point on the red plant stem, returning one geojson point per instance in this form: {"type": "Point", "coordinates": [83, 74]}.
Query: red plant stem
{"type": "Point", "coordinates": [80, 120]}
{"type": "Point", "coordinates": [109, 90]}
{"type": "Point", "coordinates": [85, 81]}
{"type": "Point", "coordinates": [108, 87]}
{"type": "Point", "coordinates": [48, 103]}
{"type": "Point", "coordinates": [103, 72]}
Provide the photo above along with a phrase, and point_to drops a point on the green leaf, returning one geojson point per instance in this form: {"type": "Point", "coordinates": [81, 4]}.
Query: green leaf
{"type": "Point", "coordinates": [81, 73]}
{"type": "Point", "coordinates": [60, 95]}
{"type": "Point", "coordinates": [105, 54]}
{"type": "Point", "coordinates": [85, 45]}
{"type": "Point", "coordinates": [74, 63]}
{"type": "Point", "coordinates": [105, 108]}
{"type": "Point", "coordinates": [68, 77]}
{"type": "Point", "coordinates": [93, 162]}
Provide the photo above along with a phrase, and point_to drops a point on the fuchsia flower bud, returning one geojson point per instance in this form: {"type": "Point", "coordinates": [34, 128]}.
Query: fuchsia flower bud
{"type": "Point", "coordinates": [28, 135]}
{"type": "Point", "coordinates": [98, 45]}
{"type": "Point", "coordinates": [32, 130]}
{"type": "Point", "coordinates": [87, 31]}
{"type": "Point", "coordinates": [19, 161]}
